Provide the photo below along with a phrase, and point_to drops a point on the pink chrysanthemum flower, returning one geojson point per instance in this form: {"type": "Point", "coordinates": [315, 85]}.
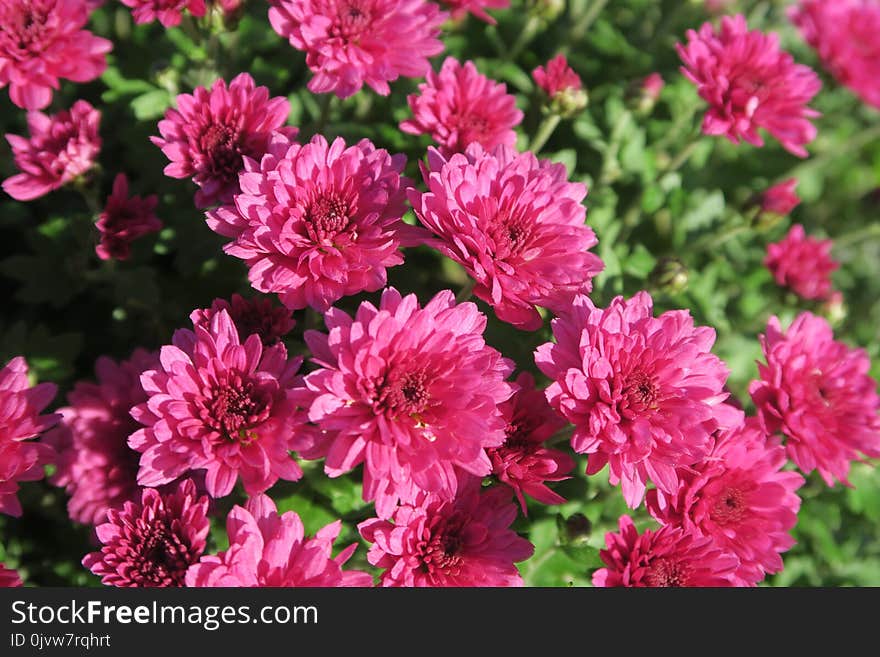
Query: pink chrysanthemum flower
{"type": "Point", "coordinates": [251, 316]}
{"type": "Point", "coordinates": [349, 43]}
{"type": "Point", "coordinates": [208, 134]}
{"type": "Point", "coordinates": [844, 34]}
{"type": "Point", "coordinates": [652, 86]}
{"type": "Point", "coordinates": [460, 106]}
{"type": "Point", "coordinates": [268, 549]}
{"type": "Point", "coordinates": [460, 8]}
{"type": "Point", "coordinates": [152, 542]}
{"type": "Point", "coordinates": [412, 392]}
{"type": "Point", "coordinates": [220, 405]}
{"type": "Point", "coordinates": [670, 556]}
{"type": "Point", "coordinates": [20, 420]}
{"type": "Point", "coordinates": [749, 84]}
{"type": "Point", "coordinates": [523, 462]}
{"type": "Point", "coordinates": [61, 147]}
{"type": "Point", "coordinates": [167, 12]}
{"type": "Point", "coordinates": [42, 41]}
{"type": "Point", "coordinates": [125, 219]}
{"type": "Point", "coordinates": [318, 222]}
{"type": "Point", "coordinates": [557, 78]}
{"type": "Point", "coordinates": [466, 541]}
{"type": "Point", "coordinates": [802, 263]}
{"type": "Point", "coordinates": [817, 392]}
{"type": "Point", "coordinates": [740, 496]}
{"type": "Point", "coordinates": [780, 199]}
{"type": "Point", "coordinates": [9, 577]}
{"type": "Point", "coordinates": [95, 464]}
{"type": "Point", "coordinates": [644, 393]}
{"type": "Point", "coordinates": [516, 225]}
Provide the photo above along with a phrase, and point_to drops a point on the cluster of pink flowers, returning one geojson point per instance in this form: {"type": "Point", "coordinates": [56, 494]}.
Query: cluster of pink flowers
{"type": "Point", "coordinates": [42, 42]}
{"type": "Point", "coordinates": [349, 43]}
{"type": "Point", "coordinates": [844, 34]}
{"type": "Point", "coordinates": [749, 83]}
{"type": "Point", "coordinates": [61, 147]}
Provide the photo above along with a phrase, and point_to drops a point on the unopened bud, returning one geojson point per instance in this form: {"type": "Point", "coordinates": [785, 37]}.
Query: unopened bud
{"type": "Point", "coordinates": [574, 530]}
{"type": "Point", "coordinates": [670, 275]}
{"type": "Point", "coordinates": [546, 10]}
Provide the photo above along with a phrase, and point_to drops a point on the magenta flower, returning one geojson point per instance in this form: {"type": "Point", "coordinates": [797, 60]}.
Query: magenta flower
{"type": "Point", "coordinates": [459, 106]}
{"type": "Point", "coordinates": [209, 132]}
{"type": "Point", "coordinates": [780, 199]}
{"type": "Point", "coordinates": [670, 556]}
{"type": "Point", "coordinates": [349, 43]}
{"type": "Point", "coordinates": [522, 462]}
{"type": "Point", "coordinates": [515, 224]}
{"type": "Point", "coordinates": [153, 542]}
{"type": "Point", "coordinates": [652, 86]}
{"type": "Point", "coordinates": [9, 577]}
{"type": "Point", "coordinates": [318, 222]}
{"type": "Point", "coordinates": [557, 78]}
{"type": "Point", "coordinates": [20, 420]}
{"type": "Point", "coordinates": [42, 41]}
{"type": "Point", "coordinates": [220, 405]}
{"type": "Point", "coordinates": [125, 219]}
{"type": "Point", "coordinates": [250, 316]}
{"type": "Point", "coordinates": [167, 12]}
{"type": "Point", "coordinates": [61, 147]}
{"type": "Point", "coordinates": [803, 264]}
{"type": "Point", "coordinates": [95, 464]}
{"type": "Point", "coordinates": [844, 34]}
{"type": "Point", "coordinates": [817, 392]}
{"type": "Point", "coordinates": [267, 549]}
{"type": "Point", "coordinates": [740, 496]}
{"type": "Point", "coordinates": [644, 393]}
{"type": "Point", "coordinates": [466, 541]}
{"type": "Point", "coordinates": [460, 8]}
{"type": "Point", "coordinates": [749, 83]}
{"type": "Point", "coordinates": [412, 392]}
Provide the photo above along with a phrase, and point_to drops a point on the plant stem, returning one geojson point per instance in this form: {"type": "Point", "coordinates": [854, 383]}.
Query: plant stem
{"type": "Point", "coordinates": [609, 160]}
{"type": "Point", "coordinates": [545, 130]}
{"type": "Point", "coordinates": [581, 25]}
{"type": "Point", "coordinates": [714, 240]}
{"type": "Point", "coordinates": [683, 155]}
{"type": "Point", "coordinates": [466, 291]}
{"type": "Point", "coordinates": [847, 239]}
{"type": "Point", "coordinates": [530, 29]}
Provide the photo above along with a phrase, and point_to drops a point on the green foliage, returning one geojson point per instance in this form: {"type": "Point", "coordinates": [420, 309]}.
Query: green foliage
{"type": "Point", "coordinates": [659, 193]}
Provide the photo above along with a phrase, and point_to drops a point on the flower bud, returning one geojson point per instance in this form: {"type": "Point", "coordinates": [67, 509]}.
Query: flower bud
{"type": "Point", "coordinates": [670, 275]}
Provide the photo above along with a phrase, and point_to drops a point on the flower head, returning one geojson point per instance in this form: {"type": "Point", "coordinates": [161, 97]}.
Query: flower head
{"type": "Point", "coordinates": [208, 134]}
{"type": "Point", "coordinates": [670, 556]}
{"type": "Point", "coordinates": [844, 34]}
{"type": "Point", "coordinates": [460, 8]}
{"type": "Point", "coordinates": [220, 405]}
{"type": "Point", "coordinates": [466, 541]}
{"type": "Point", "coordinates": [803, 264]}
{"type": "Point", "coordinates": [818, 394]}
{"type": "Point", "coordinates": [95, 464]}
{"type": "Point", "coordinates": [152, 542]}
{"type": "Point", "coordinates": [740, 496]}
{"type": "Point", "coordinates": [652, 85]}
{"type": "Point", "coordinates": [349, 43]}
{"type": "Point", "coordinates": [522, 462]}
{"type": "Point", "coordinates": [749, 84]}
{"type": "Point", "coordinates": [561, 85]}
{"type": "Point", "coordinates": [250, 316]}
{"type": "Point", "coordinates": [9, 577]}
{"type": "Point", "coordinates": [167, 12]}
{"type": "Point", "coordinates": [61, 147]}
{"type": "Point", "coordinates": [42, 41]}
{"type": "Point", "coordinates": [412, 392]}
{"type": "Point", "coordinates": [517, 226]}
{"type": "Point", "coordinates": [780, 199]}
{"type": "Point", "coordinates": [20, 420]}
{"type": "Point", "coordinates": [459, 106]}
{"type": "Point", "coordinates": [268, 549]}
{"type": "Point", "coordinates": [644, 393]}
{"type": "Point", "coordinates": [125, 219]}
{"type": "Point", "coordinates": [317, 222]}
